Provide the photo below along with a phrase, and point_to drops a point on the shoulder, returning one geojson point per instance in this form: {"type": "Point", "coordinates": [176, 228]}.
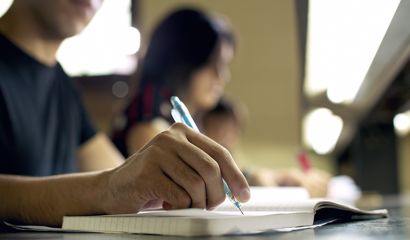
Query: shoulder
{"type": "Point", "coordinates": [141, 133]}
{"type": "Point", "coordinates": [149, 129]}
{"type": "Point", "coordinates": [68, 87]}
{"type": "Point", "coordinates": [63, 77]}
{"type": "Point", "coordinates": [159, 124]}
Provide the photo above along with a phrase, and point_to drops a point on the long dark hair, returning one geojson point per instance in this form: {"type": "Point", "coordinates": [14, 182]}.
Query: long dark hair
{"type": "Point", "coordinates": [181, 44]}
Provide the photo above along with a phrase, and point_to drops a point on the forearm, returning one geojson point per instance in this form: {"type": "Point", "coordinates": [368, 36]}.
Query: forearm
{"type": "Point", "coordinates": [98, 153]}
{"type": "Point", "coordinates": [179, 168]}
{"type": "Point", "coordinates": [45, 200]}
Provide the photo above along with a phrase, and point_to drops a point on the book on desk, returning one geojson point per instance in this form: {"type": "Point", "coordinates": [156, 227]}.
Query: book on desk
{"type": "Point", "coordinates": [284, 213]}
{"type": "Point", "coordinates": [261, 214]}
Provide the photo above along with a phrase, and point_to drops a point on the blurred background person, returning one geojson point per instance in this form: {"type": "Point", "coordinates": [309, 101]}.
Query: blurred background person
{"type": "Point", "coordinates": [225, 123]}
{"type": "Point", "coordinates": [188, 56]}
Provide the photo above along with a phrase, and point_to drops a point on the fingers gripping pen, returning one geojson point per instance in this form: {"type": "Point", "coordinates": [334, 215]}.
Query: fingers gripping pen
{"type": "Point", "coordinates": [181, 114]}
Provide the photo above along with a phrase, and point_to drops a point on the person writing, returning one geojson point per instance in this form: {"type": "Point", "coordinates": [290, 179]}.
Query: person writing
{"type": "Point", "coordinates": [188, 56]}
{"type": "Point", "coordinates": [54, 163]}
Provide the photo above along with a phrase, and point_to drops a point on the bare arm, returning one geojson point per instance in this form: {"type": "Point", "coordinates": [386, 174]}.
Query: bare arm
{"type": "Point", "coordinates": [98, 153]}
{"type": "Point", "coordinates": [45, 200]}
{"type": "Point", "coordinates": [179, 168]}
{"type": "Point", "coordinates": [139, 135]}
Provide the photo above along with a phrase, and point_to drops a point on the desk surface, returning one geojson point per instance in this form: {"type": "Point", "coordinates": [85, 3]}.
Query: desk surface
{"type": "Point", "coordinates": [395, 227]}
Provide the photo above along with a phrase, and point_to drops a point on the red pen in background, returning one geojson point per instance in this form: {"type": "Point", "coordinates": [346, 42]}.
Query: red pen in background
{"type": "Point", "coordinates": [304, 161]}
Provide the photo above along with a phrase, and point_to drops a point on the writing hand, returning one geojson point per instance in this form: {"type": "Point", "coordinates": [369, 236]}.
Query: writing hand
{"type": "Point", "coordinates": [179, 168]}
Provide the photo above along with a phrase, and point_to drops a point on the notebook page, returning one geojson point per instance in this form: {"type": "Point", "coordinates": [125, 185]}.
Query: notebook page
{"type": "Point", "coordinates": [259, 194]}
{"type": "Point", "coordinates": [274, 206]}
{"type": "Point", "coordinates": [191, 213]}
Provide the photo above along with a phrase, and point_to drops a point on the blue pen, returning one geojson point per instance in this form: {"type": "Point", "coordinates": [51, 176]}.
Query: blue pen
{"type": "Point", "coordinates": [181, 114]}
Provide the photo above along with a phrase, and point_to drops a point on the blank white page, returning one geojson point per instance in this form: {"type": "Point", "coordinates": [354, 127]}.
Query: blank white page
{"type": "Point", "coordinates": [274, 206]}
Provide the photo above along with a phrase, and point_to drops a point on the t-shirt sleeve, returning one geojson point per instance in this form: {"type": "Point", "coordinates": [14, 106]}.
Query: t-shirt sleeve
{"type": "Point", "coordinates": [86, 126]}
{"type": "Point", "coordinates": [88, 130]}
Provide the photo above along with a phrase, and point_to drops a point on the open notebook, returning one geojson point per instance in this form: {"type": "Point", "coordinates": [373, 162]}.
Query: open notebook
{"type": "Point", "coordinates": [260, 215]}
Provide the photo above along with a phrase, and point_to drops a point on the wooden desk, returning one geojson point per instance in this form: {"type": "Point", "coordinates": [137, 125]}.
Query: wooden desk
{"type": "Point", "coordinates": [395, 227]}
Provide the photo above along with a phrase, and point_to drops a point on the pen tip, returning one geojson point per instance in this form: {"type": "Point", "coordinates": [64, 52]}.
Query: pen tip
{"type": "Point", "coordinates": [241, 211]}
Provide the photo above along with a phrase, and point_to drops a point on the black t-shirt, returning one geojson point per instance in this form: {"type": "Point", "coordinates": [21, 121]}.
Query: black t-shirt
{"type": "Point", "coordinates": [42, 120]}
